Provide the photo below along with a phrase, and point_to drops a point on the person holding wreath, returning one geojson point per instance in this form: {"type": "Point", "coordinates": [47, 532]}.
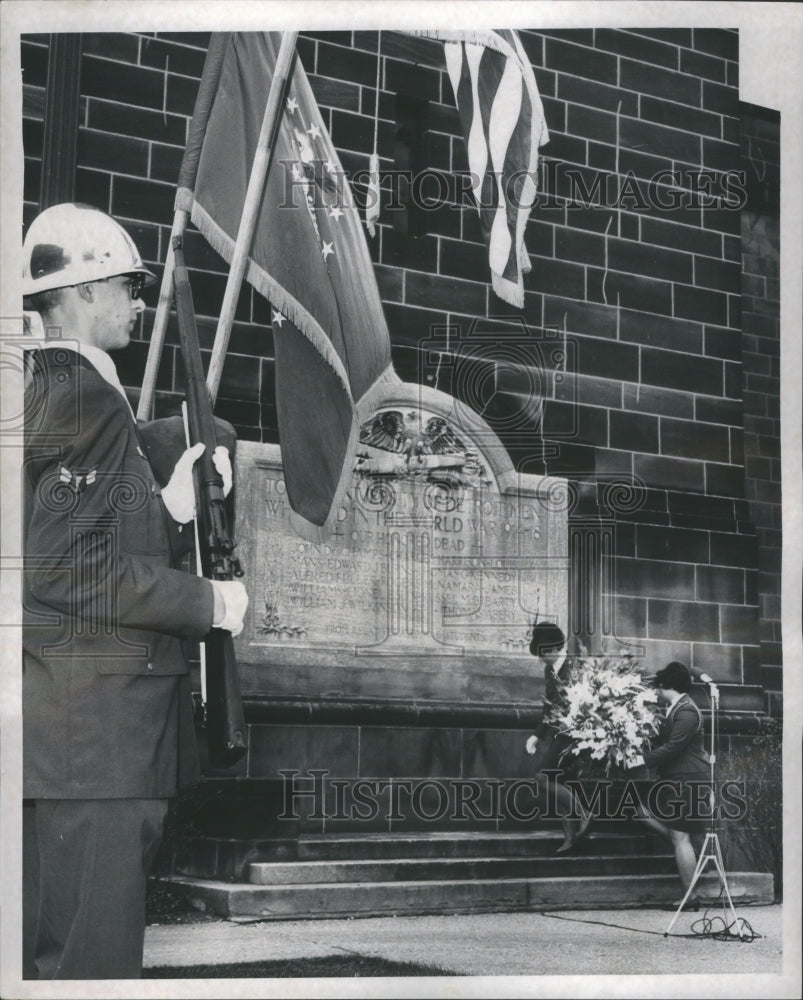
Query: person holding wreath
{"type": "Point", "coordinates": [547, 745]}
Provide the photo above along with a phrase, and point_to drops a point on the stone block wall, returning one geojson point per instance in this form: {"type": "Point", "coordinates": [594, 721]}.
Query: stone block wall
{"type": "Point", "coordinates": [761, 364]}
{"type": "Point", "coordinates": [665, 379]}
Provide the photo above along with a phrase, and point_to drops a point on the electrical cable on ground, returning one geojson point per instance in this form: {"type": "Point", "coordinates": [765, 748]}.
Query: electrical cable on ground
{"type": "Point", "coordinates": [718, 929]}
{"type": "Point", "coordinates": [713, 927]}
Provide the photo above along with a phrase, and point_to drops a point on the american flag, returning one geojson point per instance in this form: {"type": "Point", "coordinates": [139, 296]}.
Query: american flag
{"type": "Point", "coordinates": [503, 124]}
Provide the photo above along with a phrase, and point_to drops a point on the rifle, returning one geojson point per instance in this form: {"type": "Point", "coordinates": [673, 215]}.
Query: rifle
{"type": "Point", "coordinates": [225, 720]}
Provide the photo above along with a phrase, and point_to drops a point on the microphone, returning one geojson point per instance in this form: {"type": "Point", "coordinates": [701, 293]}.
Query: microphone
{"type": "Point", "coordinates": [698, 675]}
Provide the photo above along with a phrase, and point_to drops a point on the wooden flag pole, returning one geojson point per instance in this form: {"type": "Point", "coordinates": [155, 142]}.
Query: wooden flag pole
{"type": "Point", "coordinates": [256, 185]}
{"type": "Point", "coordinates": [165, 304]}
{"type": "Point", "coordinates": [207, 91]}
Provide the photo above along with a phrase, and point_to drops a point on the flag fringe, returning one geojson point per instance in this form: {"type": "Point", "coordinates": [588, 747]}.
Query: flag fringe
{"type": "Point", "coordinates": [286, 304]}
{"type": "Point", "coordinates": [507, 290]}
{"type": "Point", "coordinates": [488, 39]}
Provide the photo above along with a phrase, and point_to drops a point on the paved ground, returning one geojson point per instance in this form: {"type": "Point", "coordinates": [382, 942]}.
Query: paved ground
{"type": "Point", "coordinates": [583, 943]}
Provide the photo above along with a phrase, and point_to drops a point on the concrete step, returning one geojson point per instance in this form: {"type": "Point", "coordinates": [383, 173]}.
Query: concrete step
{"type": "Point", "coordinates": [467, 844]}
{"type": "Point", "coordinates": [450, 869]}
{"type": "Point", "coordinates": [228, 858]}
{"type": "Point", "coordinates": [362, 899]}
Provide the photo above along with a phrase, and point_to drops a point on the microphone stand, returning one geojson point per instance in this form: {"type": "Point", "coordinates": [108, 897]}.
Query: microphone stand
{"type": "Point", "coordinates": [710, 852]}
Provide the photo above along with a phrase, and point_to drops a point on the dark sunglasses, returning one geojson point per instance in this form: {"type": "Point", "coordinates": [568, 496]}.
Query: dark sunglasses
{"type": "Point", "coordinates": [136, 282]}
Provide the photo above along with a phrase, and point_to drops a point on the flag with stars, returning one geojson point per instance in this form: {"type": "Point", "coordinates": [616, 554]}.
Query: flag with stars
{"type": "Point", "coordinates": [309, 258]}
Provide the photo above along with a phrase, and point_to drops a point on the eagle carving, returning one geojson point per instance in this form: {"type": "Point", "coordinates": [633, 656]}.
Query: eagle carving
{"type": "Point", "coordinates": [410, 443]}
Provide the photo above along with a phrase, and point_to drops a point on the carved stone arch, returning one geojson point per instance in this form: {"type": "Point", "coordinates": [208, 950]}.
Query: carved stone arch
{"type": "Point", "coordinates": [465, 423]}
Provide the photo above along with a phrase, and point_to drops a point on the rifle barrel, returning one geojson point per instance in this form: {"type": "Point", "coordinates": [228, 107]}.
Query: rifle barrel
{"type": "Point", "coordinates": [224, 710]}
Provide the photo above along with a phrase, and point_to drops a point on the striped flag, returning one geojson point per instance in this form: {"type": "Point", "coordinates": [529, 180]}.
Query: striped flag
{"type": "Point", "coordinates": [503, 124]}
{"type": "Point", "coordinates": [310, 259]}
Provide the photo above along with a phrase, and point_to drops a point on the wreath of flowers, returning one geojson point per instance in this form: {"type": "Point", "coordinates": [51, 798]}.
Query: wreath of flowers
{"type": "Point", "coordinates": [603, 704]}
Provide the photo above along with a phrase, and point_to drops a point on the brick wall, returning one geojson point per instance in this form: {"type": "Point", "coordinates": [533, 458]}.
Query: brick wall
{"type": "Point", "coordinates": [761, 374]}
{"type": "Point", "coordinates": [644, 287]}
{"type": "Point", "coordinates": [137, 96]}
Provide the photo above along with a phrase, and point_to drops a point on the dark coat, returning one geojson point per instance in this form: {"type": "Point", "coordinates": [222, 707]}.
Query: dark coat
{"type": "Point", "coordinates": [552, 687]}
{"type": "Point", "coordinates": [551, 744]}
{"type": "Point", "coordinates": [678, 747]}
{"type": "Point", "coordinates": [107, 710]}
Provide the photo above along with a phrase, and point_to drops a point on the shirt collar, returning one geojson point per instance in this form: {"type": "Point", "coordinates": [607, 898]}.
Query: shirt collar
{"type": "Point", "coordinates": [99, 360]}
{"type": "Point", "coordinates": [674, 701]}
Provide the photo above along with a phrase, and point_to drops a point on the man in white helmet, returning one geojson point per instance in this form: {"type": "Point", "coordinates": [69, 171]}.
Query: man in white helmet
{"type": "Point", "coordinates": [107, 712]}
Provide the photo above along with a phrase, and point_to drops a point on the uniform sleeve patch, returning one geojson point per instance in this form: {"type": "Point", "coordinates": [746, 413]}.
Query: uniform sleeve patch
{"type": "Point", "coordinates": [78, 479]}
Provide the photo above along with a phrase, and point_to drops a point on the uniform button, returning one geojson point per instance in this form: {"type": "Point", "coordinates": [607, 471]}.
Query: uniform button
{"type": "Point", "coordinates": [150, 666]}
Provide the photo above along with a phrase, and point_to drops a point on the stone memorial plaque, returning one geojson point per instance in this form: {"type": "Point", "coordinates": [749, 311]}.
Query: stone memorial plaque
{"type": "Point", "coordinates": [440, 552]}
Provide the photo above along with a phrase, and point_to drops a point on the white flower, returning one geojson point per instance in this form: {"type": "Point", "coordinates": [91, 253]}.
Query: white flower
{"type": "Point", "coordinates": [606, 708]}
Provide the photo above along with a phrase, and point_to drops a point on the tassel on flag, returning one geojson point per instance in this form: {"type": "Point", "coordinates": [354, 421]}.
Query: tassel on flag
{"type": "Point", "coordinates": [373, 195]}
{"type": "Point", "coordinates": [310, 259]}
{"type": "Point", "coordinates": [503, 125]}
{"type": "Point", "coordinates": [373, 206]}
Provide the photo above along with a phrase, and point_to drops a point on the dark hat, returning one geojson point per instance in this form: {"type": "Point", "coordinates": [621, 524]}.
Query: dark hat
{"type": "Point", "coordinates": [676, 676]}
{"type": "Point", "coordinates": [546, 638]}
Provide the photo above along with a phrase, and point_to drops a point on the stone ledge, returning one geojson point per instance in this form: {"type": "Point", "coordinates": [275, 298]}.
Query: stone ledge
{"type": "Point", "coordinates": [511, 715]}
{"type": "Point", "coordinates": [330, 900]}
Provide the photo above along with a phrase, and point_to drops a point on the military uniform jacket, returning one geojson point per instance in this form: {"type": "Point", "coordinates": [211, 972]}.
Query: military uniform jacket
{"type": "Point", "coordinates": [678, 748]}
{"type": "Point", "coordinates": [107, 711]}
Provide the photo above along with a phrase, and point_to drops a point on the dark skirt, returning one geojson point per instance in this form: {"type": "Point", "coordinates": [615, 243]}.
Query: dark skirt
{"type": "Point", "coordinates": [682, 801]}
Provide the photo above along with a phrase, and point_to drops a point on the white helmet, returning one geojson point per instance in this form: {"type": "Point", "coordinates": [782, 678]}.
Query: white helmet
{"type": "Point", "coordinates": [72, 243]}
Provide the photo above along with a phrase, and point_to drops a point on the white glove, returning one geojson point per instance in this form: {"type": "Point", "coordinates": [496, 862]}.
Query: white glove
{"type": "Point", "coordinates": [531, 745]}
{"type": "Point", "coordinates": [231, 601]}
{"type": "Point", "coordinates": [222, 462]}
{"type": "Point", "coordinates": [179, 494]}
